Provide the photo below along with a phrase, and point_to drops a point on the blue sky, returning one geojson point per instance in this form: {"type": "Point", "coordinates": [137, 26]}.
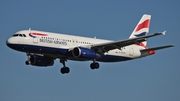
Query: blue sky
{"type": "Point", "coordinates": [154, 78]}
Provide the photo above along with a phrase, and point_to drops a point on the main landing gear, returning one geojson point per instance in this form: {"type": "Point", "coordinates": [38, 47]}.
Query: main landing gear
{"type": "Point", "coordinates": [64, 69]}
{"type": "Point", "coordinates": [94, 65]}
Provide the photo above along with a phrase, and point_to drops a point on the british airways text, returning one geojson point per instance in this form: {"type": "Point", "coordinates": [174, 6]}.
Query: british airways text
{"type": "Point", "coordinates": [52, 41]}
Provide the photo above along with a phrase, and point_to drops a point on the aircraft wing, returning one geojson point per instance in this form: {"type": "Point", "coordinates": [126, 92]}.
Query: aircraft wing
{"type": "Point", "coordinates": [104, 47]}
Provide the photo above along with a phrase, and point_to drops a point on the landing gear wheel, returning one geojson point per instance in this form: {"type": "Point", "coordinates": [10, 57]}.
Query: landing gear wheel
{"type": "Point", "coordinates": [27, 62]}
{"type": "Point", "coordinates": [65, 70]}
{"type": "Point", "coordinates": [62, 71]}
{"type": "Point", "coordinates": [94, 65]}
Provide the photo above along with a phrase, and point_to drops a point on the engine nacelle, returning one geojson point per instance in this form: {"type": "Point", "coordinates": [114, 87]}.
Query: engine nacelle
{"type": "Point", "coordinates": [80, 52]}
{"type": "Point", "coordinates": [37, 60]}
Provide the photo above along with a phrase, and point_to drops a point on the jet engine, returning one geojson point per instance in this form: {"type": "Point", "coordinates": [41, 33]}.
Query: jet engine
{"type": "Point", "coordinates": [81, 52]}
{"type": "Point", "coordinates": [38, 60]}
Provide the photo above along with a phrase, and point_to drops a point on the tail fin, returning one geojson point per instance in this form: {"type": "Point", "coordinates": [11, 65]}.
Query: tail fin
{"type": "Point", "coordinates": [142, 28]}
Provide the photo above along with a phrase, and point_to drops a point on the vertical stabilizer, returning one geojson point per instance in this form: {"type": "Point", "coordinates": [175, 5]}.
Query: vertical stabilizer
{"type": "Point", "coordinates": [142, 28]}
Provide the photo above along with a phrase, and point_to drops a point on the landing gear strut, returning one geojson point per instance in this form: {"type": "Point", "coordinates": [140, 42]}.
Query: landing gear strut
{"type": "Point", "coordinates": [64, 69]}
{"type": "Point", "coordinates": [94, 65]}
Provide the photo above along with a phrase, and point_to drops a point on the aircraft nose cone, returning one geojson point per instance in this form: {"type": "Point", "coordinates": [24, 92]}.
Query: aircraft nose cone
{"type": "Point", "coordinates": [9, 42]}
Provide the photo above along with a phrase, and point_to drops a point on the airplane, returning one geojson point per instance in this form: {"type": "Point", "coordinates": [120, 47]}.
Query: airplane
{"type": "Point", "coordinates": [42, 48]}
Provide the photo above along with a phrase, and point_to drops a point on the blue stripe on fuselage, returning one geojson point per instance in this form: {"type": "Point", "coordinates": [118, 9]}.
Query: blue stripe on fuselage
{"type": "Point", "coordinates": [62, 52]}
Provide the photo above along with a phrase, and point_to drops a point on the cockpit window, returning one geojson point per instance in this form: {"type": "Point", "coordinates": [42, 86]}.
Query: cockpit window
{"type": "Point", "coordinates": [15, 35]}
{"type": "Point", "coordinates": [21, 35]}
{"type": "Point", "coordinates": [24, 35]}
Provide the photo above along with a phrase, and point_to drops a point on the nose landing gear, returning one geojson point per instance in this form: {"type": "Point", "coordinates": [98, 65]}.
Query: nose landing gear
{"type": "Point", "coordinates": [64, 70]}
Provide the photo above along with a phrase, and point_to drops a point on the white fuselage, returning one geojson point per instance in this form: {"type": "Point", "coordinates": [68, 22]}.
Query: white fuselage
{"type": "Point", "coordinates": [54, 44]}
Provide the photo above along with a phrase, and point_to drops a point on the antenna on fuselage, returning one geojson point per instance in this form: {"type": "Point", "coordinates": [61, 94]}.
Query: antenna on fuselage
{"type": "Point", "coordinates": [29, 29]}
{"type": "Point", "coordinates": [94, 37]}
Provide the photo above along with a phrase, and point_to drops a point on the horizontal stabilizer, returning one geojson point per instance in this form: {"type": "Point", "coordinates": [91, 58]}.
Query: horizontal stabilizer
{"type": "Point", "coordinates": [158, 48]}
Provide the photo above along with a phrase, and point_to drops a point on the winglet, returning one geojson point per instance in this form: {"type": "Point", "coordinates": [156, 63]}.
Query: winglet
{"type": "Point", "coordinates": [164, 33]}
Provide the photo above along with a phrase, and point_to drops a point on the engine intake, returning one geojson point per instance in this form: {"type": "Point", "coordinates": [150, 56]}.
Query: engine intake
{"type": "Point", "coordinates": [80, 52]}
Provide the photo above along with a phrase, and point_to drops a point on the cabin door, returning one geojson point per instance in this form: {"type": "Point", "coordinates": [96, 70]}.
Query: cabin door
{"type": "Point", "coordinates": [35, 40]}
{"type": "Point", "coordinates": [131, 51]}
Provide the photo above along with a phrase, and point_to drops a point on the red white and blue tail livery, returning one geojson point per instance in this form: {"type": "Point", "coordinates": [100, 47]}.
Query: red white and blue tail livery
{"type": "Point", "coordinates": [42, 48]}
{"type": "Point", "coordinates": [142, 28]}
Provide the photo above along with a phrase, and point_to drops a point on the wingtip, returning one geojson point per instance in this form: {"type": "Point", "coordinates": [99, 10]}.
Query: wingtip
{"type": "Point", "coordinates": [164, 33]}
{"type": "Point", "coordinates": [171, 45]}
